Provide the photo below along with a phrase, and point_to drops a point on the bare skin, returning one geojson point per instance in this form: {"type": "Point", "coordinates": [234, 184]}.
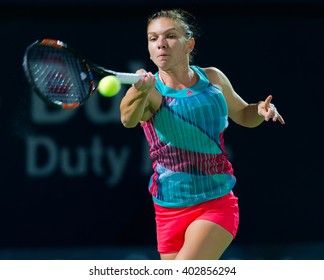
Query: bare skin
{"type": "Point", "coordinates": [204, 240]}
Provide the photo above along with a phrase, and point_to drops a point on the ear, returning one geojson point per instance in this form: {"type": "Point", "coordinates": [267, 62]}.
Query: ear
{"type": "Point", "coordinates": [191, 44]}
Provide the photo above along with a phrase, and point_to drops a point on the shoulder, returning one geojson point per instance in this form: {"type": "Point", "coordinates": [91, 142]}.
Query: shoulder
{"type": "Point", "coordinates": [216, 76]}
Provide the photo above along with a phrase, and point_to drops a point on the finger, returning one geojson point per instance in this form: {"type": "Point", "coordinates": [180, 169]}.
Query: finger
{"type": "Point", "coordinates": [143, 80]}
{"type": "Point", "coordinates": [271, 113]}
{"type": "Point", "coordinates": [147, 82]}
{"type": "Point", "coordinates": [150, 78]}
{"type": "Point", "coordinates": [280, 119]}
{"type": "Point", "coordinates": [141, 71]}
{"type": "Point", "coordinates": [267, 102]}
{"type": "Point", "coordinates": [268, 115]}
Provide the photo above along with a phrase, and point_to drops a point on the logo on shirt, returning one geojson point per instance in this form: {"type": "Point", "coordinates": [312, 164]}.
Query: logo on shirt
{"type": "Point", "coordinates": [189, 92]}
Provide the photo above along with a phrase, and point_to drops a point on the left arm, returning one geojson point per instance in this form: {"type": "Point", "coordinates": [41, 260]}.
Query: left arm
{"type": "Point", "coordinates": [242, 113]}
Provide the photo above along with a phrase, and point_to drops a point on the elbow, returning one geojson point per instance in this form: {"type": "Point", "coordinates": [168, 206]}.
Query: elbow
{"type": "Point", "coordinates": [128, 123]}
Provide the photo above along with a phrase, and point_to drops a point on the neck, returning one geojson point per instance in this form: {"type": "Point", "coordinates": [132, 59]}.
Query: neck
{"type": "Point", "coordinates": [178, 80]}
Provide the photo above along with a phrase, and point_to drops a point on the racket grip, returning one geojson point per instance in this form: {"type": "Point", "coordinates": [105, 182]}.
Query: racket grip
{"type": "Point", "coordinates": [128, 78]}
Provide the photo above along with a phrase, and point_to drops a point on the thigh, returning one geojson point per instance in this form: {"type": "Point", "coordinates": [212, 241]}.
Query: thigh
{"type": "Point", "coordinates": [204, 240]}
{"type": "Point", "coordinates": [174, 225]}
{"type": "Point", "coordinates": [171, 256]}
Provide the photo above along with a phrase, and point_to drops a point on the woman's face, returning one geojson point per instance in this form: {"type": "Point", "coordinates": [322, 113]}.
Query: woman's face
{"type": "Point", "coordinates": [167, 44]}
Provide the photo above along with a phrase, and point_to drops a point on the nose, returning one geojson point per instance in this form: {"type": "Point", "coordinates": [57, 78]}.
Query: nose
{"type": "Point", "coordinates": [162, 43]}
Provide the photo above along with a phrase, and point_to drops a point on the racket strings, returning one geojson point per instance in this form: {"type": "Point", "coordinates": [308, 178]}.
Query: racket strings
{"type": "Point", "coordinates": [59, 75]}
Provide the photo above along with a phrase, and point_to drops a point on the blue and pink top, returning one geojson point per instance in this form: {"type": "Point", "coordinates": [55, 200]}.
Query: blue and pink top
{"type": "Point", "coordinates": [186, 141]}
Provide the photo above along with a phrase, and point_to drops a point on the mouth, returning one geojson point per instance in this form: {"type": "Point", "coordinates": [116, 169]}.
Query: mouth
{"type": "Point", "coordinates": [162, 56]}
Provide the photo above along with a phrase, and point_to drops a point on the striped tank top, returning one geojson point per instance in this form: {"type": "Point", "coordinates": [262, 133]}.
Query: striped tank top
{"type": "Point", "coordinates": [186, 143]}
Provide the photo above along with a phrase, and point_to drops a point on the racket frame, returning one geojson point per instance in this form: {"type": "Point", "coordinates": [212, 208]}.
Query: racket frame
{"type": "Point", "coordinates": [123, 77]}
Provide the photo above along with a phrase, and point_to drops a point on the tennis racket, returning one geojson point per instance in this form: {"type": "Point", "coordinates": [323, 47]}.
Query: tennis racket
{"type": "Point", "coordinates": [62, 77]}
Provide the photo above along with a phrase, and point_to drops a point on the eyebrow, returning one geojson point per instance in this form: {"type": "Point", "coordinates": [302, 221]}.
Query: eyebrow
{"type": "Point", "coordinates": [170, 29]}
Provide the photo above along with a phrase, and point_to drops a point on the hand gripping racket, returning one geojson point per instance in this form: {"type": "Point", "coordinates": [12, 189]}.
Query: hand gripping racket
{"type": "Point", "coordinates": [62, 77]}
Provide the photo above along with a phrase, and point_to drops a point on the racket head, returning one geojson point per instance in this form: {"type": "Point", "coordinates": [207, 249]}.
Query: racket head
{"type": "Point", "coordinates": [57, 74]}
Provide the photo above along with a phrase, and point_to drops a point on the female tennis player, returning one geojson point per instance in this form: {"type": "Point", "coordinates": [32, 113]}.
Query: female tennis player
{"type": "Point", "coordinates": [183, 110]}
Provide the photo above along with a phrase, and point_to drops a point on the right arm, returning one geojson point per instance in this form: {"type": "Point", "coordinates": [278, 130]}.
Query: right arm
{"type": "Point", "coordinates": [137, 105]}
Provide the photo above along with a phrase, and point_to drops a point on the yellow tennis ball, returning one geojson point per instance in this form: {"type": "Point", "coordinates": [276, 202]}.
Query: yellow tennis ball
{"type": "Point", "coordinates": [109, 86]}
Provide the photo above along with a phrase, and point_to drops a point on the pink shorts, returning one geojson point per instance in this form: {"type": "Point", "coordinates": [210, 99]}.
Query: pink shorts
{"type": "Point", "coordinates": [172, 223]}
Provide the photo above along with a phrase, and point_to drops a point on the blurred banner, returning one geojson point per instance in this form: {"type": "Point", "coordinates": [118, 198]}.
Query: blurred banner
{"type": "Point", "coordinates": [79, 178]}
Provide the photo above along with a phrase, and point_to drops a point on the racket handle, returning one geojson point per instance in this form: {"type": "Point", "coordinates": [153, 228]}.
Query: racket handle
{"type": "Point", "coordinates": [128, 78]}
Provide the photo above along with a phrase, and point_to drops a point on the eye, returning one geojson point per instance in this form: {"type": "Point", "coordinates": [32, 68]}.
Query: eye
{"type": "Point", "coordinates": [152, 39]}
{"type": "Point", "coordinates": [171, 36]}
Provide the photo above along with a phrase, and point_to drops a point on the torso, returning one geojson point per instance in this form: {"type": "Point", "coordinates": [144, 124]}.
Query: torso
{"type": "Point", "coordinates": [155, 97]}
{"type": "Point", "coordinates": [185, 134]}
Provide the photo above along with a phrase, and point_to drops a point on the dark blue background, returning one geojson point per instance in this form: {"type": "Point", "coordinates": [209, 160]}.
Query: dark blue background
{"type": "Point", "coordinates": [274, 48]}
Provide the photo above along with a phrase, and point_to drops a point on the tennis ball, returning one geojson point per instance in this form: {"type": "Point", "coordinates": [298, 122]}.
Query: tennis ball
{"type": "Point", "coordinates": [109, 86]}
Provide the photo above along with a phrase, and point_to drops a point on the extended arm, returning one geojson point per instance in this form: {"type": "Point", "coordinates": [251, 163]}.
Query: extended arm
{"type": "Point", "coordinates": [241, 112]}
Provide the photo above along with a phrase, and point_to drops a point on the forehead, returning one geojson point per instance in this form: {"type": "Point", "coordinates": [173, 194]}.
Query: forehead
{"type": "Point", "coordinates": [163, 24]}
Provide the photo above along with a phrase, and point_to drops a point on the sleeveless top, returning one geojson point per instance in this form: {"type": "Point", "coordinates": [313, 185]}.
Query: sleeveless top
{"type": "Point", "coordinates": [186, 144]}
